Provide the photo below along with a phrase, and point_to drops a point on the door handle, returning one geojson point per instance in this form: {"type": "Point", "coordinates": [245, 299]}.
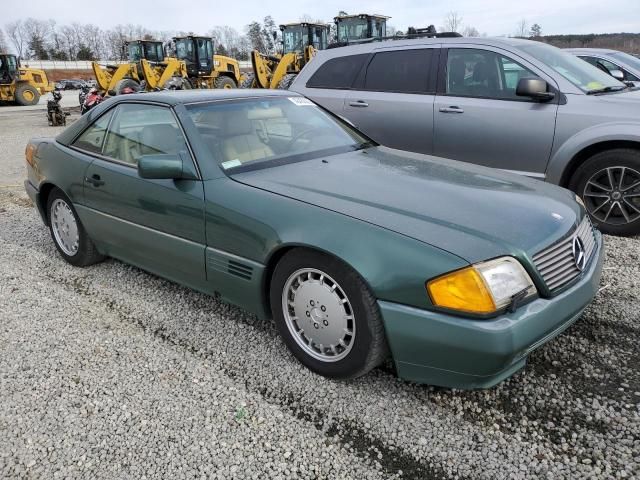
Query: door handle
{"type": "Point", "coordinates": [451, 109]}
{"type": "Point", "coordinates": [94, 180]}
{"type": "Point", "coordinates": [359, 103]}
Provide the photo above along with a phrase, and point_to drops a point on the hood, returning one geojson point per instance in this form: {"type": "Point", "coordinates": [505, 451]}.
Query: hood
{"type": "Point", "coordinates": [630, 98]}
{"type": "Point", "coordinates": [474, 212]}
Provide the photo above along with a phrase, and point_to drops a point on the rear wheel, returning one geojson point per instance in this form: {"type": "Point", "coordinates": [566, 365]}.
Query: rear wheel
{"type": "Point", "coordinates": [224, 82]}
{"type": "Point", "coordinates": [286, 81]}
{"type": "Point", "coordinates": [327, 315]}
{"type": "Point", "coordinates": [27, 95]}
{"type": "Point", "coordinates": [609, 184]}
{"type": "Point", "coordinates": [67, 232]}
{"type": "Point", "coordinates": [249, 81]}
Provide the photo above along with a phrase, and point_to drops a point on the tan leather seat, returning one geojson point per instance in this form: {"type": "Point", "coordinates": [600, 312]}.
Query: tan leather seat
{"type": "Point", "coordinates": [241, 141]}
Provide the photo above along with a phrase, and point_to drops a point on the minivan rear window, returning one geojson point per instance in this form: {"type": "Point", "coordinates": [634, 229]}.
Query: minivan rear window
{"type": "Point", "coordinates": [403, 71]}
{"type": "Point", "coordinates": [338, 72]}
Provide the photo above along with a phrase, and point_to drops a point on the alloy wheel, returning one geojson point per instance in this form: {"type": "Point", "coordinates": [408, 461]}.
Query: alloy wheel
{"type": "Point", "coordinates": [318, 314]}
{"type": "Point", "coordinates": [65, 227]}
{"type": "Point", "coordinates": [612, 195]}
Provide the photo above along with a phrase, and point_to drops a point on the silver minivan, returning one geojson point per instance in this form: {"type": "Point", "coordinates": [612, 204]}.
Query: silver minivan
{"type": "Point", "coordinates": [516, 105]}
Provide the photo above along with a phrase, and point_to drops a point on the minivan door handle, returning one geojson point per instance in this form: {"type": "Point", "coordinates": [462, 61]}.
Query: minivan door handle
{"type": "Point", "coordinates": [94, 180]}
{"type": "Point", "coordinates": [358, 103]}
{"type": "Point", "coordinates": [451, 109]}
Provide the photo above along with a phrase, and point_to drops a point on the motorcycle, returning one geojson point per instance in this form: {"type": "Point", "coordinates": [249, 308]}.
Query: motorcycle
{"type": "Point", "coordinates": [90, 99]}
{"type": "Point", "coordinates": [55, 115]}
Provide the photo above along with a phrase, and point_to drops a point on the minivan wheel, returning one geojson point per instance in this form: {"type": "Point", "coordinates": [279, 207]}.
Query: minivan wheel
{"type": "Point", "coordinates": [67, 232]}
{"type": "Point", "coordinates": [327, 315]}
{"type": "Point", "coordinates": [609, 184]}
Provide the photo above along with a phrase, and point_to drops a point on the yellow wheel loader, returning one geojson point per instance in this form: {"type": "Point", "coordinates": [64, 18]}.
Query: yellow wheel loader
{"type": "Point", "coordinates": [359, 28]}
{"type": "Point", "coordinates": [112, 79]}
{"type": "Point", "coordinates": [22, 85]}
{"type": "Point", "coordinates": [204, 68]}
{"type": "Point", "coordinates": [300, 41]}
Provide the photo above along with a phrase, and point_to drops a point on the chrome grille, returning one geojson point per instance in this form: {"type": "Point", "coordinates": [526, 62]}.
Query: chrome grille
{"type": "Point", "coordinates": [557, 264]}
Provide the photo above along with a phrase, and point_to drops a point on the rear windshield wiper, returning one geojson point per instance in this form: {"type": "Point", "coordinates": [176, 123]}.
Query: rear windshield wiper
{"type": "Point", "coordinates": [606, 90]}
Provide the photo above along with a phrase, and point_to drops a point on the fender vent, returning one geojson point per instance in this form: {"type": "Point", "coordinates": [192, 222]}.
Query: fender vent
{"type": "Point", "coordinates": [240, 270]}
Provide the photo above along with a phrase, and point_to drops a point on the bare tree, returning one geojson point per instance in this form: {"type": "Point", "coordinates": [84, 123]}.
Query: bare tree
{"type": "Point", "coordinates": [17, 36]}
{"type": "Point", "coordinates": [452, 22]}
{"type": "Point", "coordinates": [470, 31]}
{"type": "Point", "coordinates": [3, 42]}
{"type": "Point", "coordinates": [522, 29]}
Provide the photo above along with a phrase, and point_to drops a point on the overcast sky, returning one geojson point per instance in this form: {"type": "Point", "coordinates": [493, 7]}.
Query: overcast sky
{"type": "Point", "coordinates": [494, 17]}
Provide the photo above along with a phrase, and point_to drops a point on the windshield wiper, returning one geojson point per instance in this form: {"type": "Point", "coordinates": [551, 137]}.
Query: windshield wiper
{"type": "Point", "coordinates": [606, 90]}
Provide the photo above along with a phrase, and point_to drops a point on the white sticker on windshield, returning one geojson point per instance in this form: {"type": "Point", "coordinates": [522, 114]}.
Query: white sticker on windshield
{"type": "Point", "coordinates": [231, 164]}
{"type": "Point", "coordinates": [301, 101]}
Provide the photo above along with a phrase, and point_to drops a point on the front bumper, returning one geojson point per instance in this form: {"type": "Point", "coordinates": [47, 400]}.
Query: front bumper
{"type": "Point", "coordinates": [440, 349]}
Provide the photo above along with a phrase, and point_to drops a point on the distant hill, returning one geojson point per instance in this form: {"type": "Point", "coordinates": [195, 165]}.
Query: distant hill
{"type": "Point", "coordinates": [626, 42]}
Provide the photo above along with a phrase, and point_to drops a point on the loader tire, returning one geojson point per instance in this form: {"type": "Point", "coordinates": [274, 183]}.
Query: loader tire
{"type": "Point", "coordinates": [127, 82]}
{"type": "Point", "coordinates": [224, 82]}
{"type": "Point", "coordinates": [249, 81]}
{"type": "Point", "coordinates": [286, 81]}
{"type": "Point", "coordinates": [27, 95]}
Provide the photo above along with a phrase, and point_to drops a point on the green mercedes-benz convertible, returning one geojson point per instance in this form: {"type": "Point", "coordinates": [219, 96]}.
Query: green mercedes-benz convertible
{"type": "Point", "coordinates": [358, 251]}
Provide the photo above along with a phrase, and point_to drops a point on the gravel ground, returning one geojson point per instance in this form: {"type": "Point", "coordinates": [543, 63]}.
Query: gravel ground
{"type": "Point", "coordinates": [109, 372]}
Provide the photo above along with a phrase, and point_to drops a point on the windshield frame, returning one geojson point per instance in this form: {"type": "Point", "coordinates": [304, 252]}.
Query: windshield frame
{"type": "Point", "coordinates": [543, 53]}
{"type": "Point", "coordinates": [366, 142]}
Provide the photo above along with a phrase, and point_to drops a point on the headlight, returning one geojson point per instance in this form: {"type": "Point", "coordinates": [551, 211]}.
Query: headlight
{"type": "Point", "coordinates": [482, 288]}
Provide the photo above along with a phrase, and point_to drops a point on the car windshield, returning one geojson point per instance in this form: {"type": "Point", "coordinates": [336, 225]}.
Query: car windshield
{"type": "Point", "coordinates": [582, 74]}
{"type": "Point", "coordinates": [633, 62]}
{"type": "Point", "coordinates": [260, 132]}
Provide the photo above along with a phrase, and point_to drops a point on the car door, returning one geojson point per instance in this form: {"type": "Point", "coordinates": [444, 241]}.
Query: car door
{"type": "Point", "coordinates": [155, 224]}
{"type": "Point", "coordinates": [392, 102]}
{"type": "Point", "coordinates": [480, 119]}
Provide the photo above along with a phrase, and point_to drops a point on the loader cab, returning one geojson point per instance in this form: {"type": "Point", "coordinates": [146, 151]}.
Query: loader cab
{"type": "Point", "coordinates": [9, 68]}
{"type": "Point", "coordinates": [297, 36]}
{"type": "Point", "coordinates": [197, 53]}
{"type": "Point", "coordinates": [360, 28]}
{"type": "Point", "coordinates": [145, 49]}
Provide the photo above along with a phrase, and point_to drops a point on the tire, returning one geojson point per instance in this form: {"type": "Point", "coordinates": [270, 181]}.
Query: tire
{"type": "Point", "coordinates": [355, 355]}
{"type": "Point", "coordinates": [286, 81]}
{"type": "Point", "coordinates": [60, 212]}
{"type": "Point", "coordinates": [224, 82]}
{"type": "Point", "coordinates": [126, 82]}
{"type": "Point", "coordinates": [609, 185]}
{"type": "Point", "coordinates": [249, 81]}
{"type": "Point", "coordinates": [27, 95]}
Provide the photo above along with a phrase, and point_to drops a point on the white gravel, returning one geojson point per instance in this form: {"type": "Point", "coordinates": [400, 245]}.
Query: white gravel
{"type": "Point", "coordinates": [109, 372]}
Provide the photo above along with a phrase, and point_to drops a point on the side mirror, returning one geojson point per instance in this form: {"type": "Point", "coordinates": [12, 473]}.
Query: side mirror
{"type": "Point", "coordinates": [617, 74]}
{"type": "Point", "coordinates": [160, 167]}
{"type": "Point", "coordinates": [535, 88]}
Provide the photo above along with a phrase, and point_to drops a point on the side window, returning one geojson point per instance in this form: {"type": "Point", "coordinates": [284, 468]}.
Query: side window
{"type": "Point", "coordinates": [404, 71]}
{"type": "Point", "coordinates": [139, 129]}
{"type": "Point", "coordinates": [92, 138]}
{"type": "Point", "coordinates": [338, 72]}
{"type": "Point", "coordinates": [483, 74]}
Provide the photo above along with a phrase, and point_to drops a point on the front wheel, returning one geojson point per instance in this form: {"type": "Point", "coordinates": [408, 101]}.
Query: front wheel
{"type": "Point", "coordinates": [67, 232]}
{"type": "Point", "coordinates": [286, 81]}
{"type": "Point", "coordinates": [249, 81]}
{"type": "Point", "coordinates": [327, 315]}
{"type": "Point", "coordinates": [609, 184]}
{"type": "Point", "coordinates": [224, 82]}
